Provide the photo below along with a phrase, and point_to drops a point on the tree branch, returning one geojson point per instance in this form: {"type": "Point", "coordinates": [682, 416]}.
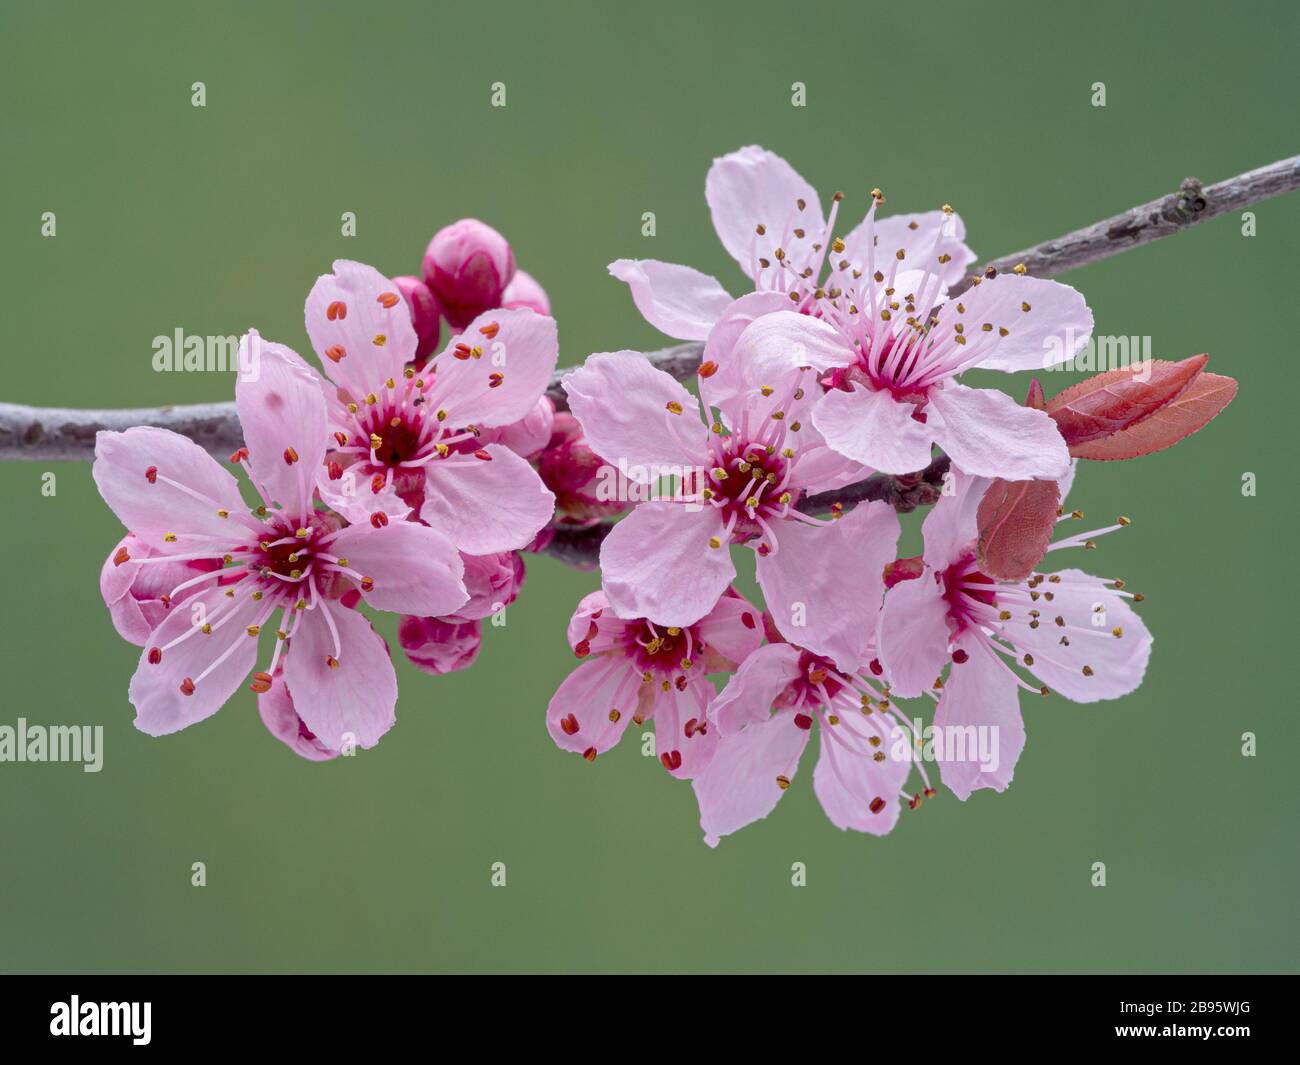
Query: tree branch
{"type": "Point", "coordinates": [52, 434]}
{"type": "Point", "coordinates": [1192, 203]}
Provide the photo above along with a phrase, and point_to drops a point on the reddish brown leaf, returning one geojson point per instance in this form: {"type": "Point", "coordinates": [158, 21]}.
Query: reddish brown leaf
{"type": "Point", "coordinates": [1193, 410]}
{"type": "Point", "coordinates": [1015, 521]}
{"type": "Point", "coordinates": [1036, 399]}
{"type": "Point", "coordinates": [1113, 401]}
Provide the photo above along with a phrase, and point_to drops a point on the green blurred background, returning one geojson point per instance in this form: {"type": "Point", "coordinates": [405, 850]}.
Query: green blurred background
{"type": "Point", "coordinates": [220, 218]}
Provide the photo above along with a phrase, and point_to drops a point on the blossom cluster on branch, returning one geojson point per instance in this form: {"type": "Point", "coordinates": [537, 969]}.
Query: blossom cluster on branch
{"type": "Point", "coordinates": [408, 481]}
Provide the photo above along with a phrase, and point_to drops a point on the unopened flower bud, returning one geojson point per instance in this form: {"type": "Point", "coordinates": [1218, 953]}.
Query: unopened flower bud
{"type": "Point", "coordinates": [468, 265]}
{"type": "Point", "coordinates": [426, 314]}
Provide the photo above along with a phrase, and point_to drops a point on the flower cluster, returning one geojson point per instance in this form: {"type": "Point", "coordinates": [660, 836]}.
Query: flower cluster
{"type": "Point", "coordinates": [390, 480]}
{"type": "Point", "coordinates": [844, 361]}
{"type": "Point", "coordinates": [398, 480]}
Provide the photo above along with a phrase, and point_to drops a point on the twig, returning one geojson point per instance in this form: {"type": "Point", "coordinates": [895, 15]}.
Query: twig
{"type": "Point", "coordinates": [1192, 203]}
{"type": "Point", "coordinates": [49, 434]}
{"type": "Point", "coordinates": [52, 434]}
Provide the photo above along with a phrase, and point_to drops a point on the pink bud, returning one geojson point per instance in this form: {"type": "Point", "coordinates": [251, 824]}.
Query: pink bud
{"type": "Point", "coordinates": [570, 469]}
{"type": "Point", "coordinates": [426, 314]}
{"type": "Point", "coordinates": [493, 582]}
{"type": "Point", "coordinates": [468, 265]}
{"type": "Point", "coordinates": [524, 291]}
{"type": "Point", "coordinates": [437, 646]}
{"type": "Point", "coordinates": [134, 594]}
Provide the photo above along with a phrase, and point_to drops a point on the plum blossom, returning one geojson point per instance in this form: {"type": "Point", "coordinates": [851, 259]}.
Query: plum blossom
{"type": "Point", "coordinates": [284, 556]}
{"type": "Point", "coordinates": [409, 443]}
{"type": "Point", "coordinates": [740, 478]}
{"type": "Point", "coordinates": [888, 351]}
{"type": "Point", "coordinates": [770, 221]}
{"type": "Point", "coordinates": [764, 718]}
{"type": "Point", "coordinates": [1075, 633]}
{"type": "Point", "coordinates": [634, 670]}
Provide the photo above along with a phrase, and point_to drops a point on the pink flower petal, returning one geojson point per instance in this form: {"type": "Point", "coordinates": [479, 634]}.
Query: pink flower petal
{"type": "Point", "coordinates": [494, 372]}
{"type": "Point", "coordinates": [980, 693]}
{"type": "Point", "coordinates": [359, 326]}
{"type": "Point", "coordinates": [732, 629]}
{"type": "Point", "coordinates": [525, 293]}
{"type": "Point", "coordinates": [657, 563]}
{"type": "Point", "coordinates": [349, 705]}
{"type": "Point", "coordinates": [913, 639]}
{"type": "Point", "coordinates": [594, 607]}
{"type": "Point", "coordinates": [849, 782]}
{"type": "Point", "coordinates": [282, 411]}
{"type": "Point", "coordinates": [824, 585]}
{"type": "Point", "coordinates": [161, 706]}
{"type": "Point", "coordinates": [532, 432]}
{"type": "Point", "coordinates": [276, 709]}
{"type": "Point", "coordinates": [133, 469]}
{"type": "Point", "coordinates": [750, 694]}
{"type": "Point", "coordinates": [989, 434]}
{"type": "Point", "coordinates": [415, 569]}
{"type": "Point", "coordinates": [485, 506]}
{"type": "Point", "coordinates": [1055, 328]}
{"type": "Point", "coordinates": [740, 786]}
{"type": "Point", "coordinates": [626, 408]}
{"type": "Point", "coordinates": [753, 187]}
{"type": "Point", "coordinates": [676, 300]}
{"type": "Point", "coordinates": [873, 428]}
{"type": "Point", "coordinates": [918, 244]}
{"type": "Point", "coordinates": [1116, 663]}
{"type": "Point", "coordinates": [685, 748]}
{"type": "Point", "coordinates": [592, 706]}
{"type": "Point", "coordinates": [951, 528]}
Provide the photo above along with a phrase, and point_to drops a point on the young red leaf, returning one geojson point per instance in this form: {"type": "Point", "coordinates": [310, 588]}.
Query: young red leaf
{"type": "Point", "coordinates": [1193, 410]}
{"type": "Point", "coordinates": [1015, 521]}
{"type": "Point", "coordinates": [1111, 402]}
{"type": "Point", "coordinates": [1037, 398]}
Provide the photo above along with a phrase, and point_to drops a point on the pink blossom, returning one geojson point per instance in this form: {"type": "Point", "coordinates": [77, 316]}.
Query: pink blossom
{"type": "Point", "coordinates": [888, 353]}
{"type": "Point", "coordinates": [1075, 633]}
{"type": "Point", "coordinates": [138, 596]}
{"type": "Point", "coordinates": [469, 266]}
{"type": "Point", "coordinates": [764, 718]}
{"type": "Point", "coordinates": [739, 481]}
{"type": "Point", "coordinates": [410, 443]}
{"type": "Point", "coordinates": [770, 220]}
{"type": "Point", "coordinates": [283, 557]}
{"type": "Point", "coordinates": [868, 312]}
{"type": "Point", "coordinates": [634, 670]}
{"type": "Point", "coordinates": [440, 645]}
